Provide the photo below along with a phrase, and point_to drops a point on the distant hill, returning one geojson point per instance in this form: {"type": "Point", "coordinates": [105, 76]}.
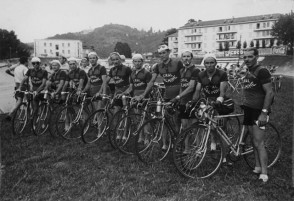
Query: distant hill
{"type": "Point", "coordinates": [104, 38]}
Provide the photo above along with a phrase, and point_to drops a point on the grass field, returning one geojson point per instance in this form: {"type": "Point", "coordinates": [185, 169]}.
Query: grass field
{"type": "Point", "coordinates": [46, 168]}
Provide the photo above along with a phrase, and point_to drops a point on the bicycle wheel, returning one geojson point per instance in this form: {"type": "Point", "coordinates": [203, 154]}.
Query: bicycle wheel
{"type": "Point", "coordinates": [54, 110]}
{"type": "Point", "coordinates": [155, 133]}
{"type": "Point", "coordinates": [19, 119]}
{"type": "Point", "coordinates": [112, 125]}
{"type": "Point", "coordinates": [95, 126]}
{"type": "Point", "coordinates": [273, 146]}
{"type": "Point", "coordinates": [192, 155]}
{"type": "Point", "coordinates": [125, 132]}
{"type": "Point", "coordinates": [233, 130]}
{"type": "Point", "coordinates": [40, 120]}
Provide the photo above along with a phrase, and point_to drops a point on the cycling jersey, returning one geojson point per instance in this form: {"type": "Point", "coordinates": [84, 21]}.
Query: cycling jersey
{"type": "Point", "coordinates": [95, 76]}
{"type": "Point", "coordinates": [171, 76]}
{"type": "Point", "coordinates": [57, 77]}
{"type": "Point", "coordinates": [254, 94]}
{"type": "Point", "coordinates": [188, 74]}
{"type": "Point", "coordinates": [37, 77]}
{"type": "Point", "coordinates": [140, 80]}
{"type": "Point", "coordinates": [211, 87]}
{"type": "Point", "coordinates": [120, 75]}
{"type": "Point", "coordinates": [76, 75]}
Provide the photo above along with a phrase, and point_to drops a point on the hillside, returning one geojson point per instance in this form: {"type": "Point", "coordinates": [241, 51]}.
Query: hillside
{"type": "Point", "coordinates": [104, 38]}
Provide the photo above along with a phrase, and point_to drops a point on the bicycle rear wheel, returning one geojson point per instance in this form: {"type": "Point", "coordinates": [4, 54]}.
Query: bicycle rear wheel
{"type": "Point", "coordinates": [126, 131]}
{"type": "Point", "coordinates": [155, 134]}
{"type": "Point", "coordinates": [40, 120]}
{"type": "Point", "coordinates": [273, 146]}
{"type": "Point", "coordinates": [19, 119]}
{"type": "Point", "coordinates": [192, 155]}
{"type": "Point", "coordinates": [95, 126]}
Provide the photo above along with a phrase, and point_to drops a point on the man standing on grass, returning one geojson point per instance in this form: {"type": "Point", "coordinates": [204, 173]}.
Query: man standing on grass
{"type": "Point", "coordinates": [258, 97]}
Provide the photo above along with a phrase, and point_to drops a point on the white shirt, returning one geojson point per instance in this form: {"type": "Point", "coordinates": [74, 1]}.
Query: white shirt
{"type": "Point", "coordinates": [19, 73]}
{"type": "Point", "coordinates": [64, 66]}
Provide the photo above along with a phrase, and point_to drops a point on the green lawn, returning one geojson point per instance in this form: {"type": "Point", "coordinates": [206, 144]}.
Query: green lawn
{"type": "Point", "coordinates": [46, 168]}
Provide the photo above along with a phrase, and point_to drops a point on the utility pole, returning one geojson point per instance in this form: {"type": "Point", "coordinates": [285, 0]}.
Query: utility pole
{"type": "Point", "coordinates": [239, 49]}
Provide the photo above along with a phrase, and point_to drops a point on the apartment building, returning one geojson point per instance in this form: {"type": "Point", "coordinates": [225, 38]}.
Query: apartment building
{"type": "Point", "coordinates": [214, 36]}
{"type": "Point", "coordinates": [57, 47]}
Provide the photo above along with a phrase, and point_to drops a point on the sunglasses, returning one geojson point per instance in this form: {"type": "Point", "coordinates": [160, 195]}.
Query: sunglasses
{"type": "Point", "coordinates": [212, 62]}
{"type": "Point", "coordinates": [249, 57]}
{"type": "Point", "coordinates": [34, 63]}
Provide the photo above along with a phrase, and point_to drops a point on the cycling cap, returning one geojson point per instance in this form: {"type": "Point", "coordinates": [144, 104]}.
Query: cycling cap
{"type": "Point", "coordinates": [72, 59]}
{"type": "Point", "coordinates": [93, 53]}
{"type": "Point", "coordinates": [137, 56]}
{"type": "Point", "coordinates": [114, 53]}
{"type": "Point", "coordinates": [122, 57]}
{"type": "Point", "coordinates": [187, 51]}
{"type": "Point", "coordinates": [36, 59]}
{"type": "Point", "coordinates": [162, 48]}
{"type": "Point", "coordinates": [55, 61]}
{"type": "Point", "coordinates": [209, 56]}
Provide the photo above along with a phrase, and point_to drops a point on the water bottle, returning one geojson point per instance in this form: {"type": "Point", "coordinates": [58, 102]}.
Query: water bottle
{"type": "Point", "coordinates": [202, 107]}
{"type": "Point", "coordinates": [46, 94]}
{"type": "Point", "coordinates": [124, 100]}
{"type": "Point", "coordinates": [158, 107]}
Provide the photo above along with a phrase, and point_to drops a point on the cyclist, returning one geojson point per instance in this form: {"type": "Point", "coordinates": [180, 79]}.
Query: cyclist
{"type": "Point", "coordinates": [97, 78]}
{"type": "Point", "coordinates": [77, 78]}
{"type": "Point", "coordinates": [57, 79]}
{"type": "Point", "coordinates": [19, 70]}
{"type": "Point", "coordinates": [63, 61]}
{"type": "Point", "coordinates": [120, 75]}
{"type": "Point", "coordinates": [38, 78]}
{"type": "Point", "coordinates": [169, 69]}
{"type": "Point", "coordinates": [213, 83]}
{"type": "Point", "coordinates": [189, 76]}
{"type": "Point", "coordinates": [258, 97]}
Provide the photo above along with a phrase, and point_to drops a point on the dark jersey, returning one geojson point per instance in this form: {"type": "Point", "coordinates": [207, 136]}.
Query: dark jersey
{"type": "Point", "coordinates": [211, 88]}
{"type": "Point", "coordinates": [76, 75]}
{"type": "Point", "coordinates": [140, 80]}
{"type": "Point", "coordinates": [188, 74]}
{"type": "Point", "coordinates": [254, 94]}
{"type": "Point", "coordinates": [171, 76]}
{"type": "Point", "coordinates": [37, 77]}
{"type": "Point", "coordinates": [120, 75]}
{"type": "Point", "coordinates": [95, 75]}
{"type": "Point", "coordinates": [57, 77]}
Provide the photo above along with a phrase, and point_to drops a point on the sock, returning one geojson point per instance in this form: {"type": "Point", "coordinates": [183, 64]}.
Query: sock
{"type": "Point", "coordinates": [213, 146]}
{"type": "Point", "coordinates": [257, 170]}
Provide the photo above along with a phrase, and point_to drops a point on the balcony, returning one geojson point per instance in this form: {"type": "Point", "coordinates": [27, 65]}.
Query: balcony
{"type": "Point", "coordinates": [196, 49]}
{"type": "Point", "coordinates": [262, 37]}
{"type": "Point", "coordinates": [193, 41]}
{"type": "Point", "coordinates": [194, 34]}
{"type": "Point", "coordinates": [225, 32]}
{"type": "Point", "coordinates": [262, 29]}
{"type": "Point", "coordinates": [226, 39]}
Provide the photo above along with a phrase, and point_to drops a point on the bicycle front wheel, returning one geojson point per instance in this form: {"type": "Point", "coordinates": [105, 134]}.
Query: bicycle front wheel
{"type": "Point", "coordinates": [40, 119]}
{"type": "Point", "coordinates": [153, 141]}
{"type": "Point", "coordinates": [95, 126]}
{"type": "Point", "coordinates": [19, 119]}
{"type": "Point", "coordinates": [192, 155]}
{"type": "Point", "coordinates": [273, 146]}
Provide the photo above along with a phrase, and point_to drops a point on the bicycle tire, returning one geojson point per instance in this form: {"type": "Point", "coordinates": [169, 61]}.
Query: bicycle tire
{"type": "Point", "coordinates": [233, 130]}
{"type": "Point", "coordinates": [19, 119]}
{"type": "Point", "coordinates": [54, 108]}
{"type": "Point", "coordinates": [40, 120]}
{"type": "Point", "coordinates": [95, 126]}
{"type": "Point", "coordinates": [199, 161]}
{"type": "Point", "coordinates": [273, 145]}
{"type": "Point", "coordinates": [150, 150]}
{"type": "Point", "coordinates": [112, 125]}
{"type": "Point", "coordinates": [127, 129]}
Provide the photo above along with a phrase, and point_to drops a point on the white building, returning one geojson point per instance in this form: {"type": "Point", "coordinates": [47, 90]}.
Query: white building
{"type": "Point", "coordinates": [56, 47]}
{"type": "Point", "coordinates": [207, 36]}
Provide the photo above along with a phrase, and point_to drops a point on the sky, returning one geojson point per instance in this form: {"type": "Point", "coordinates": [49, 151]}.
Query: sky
{"type": "Point", "coordinates": [39, 19]}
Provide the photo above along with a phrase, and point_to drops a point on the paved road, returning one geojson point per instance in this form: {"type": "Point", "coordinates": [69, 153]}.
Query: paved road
{"type": "Point", "coordinates": [6, 91]}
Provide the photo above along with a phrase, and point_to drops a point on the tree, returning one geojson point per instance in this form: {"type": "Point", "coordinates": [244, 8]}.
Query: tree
{"type": "Point", "coordinates": [244, 44]}
{"type": "Point", "coordinates": [257, 45]}
{"type": "Point", "coordinates": [251, 43]}
{"type": "Point", "coordinates": [168, 32]}
{"type": "Point", "coordinates": [11, 47]}
{"type": "Point", "coordinates": [238, 46]}
{"type": "Point", "coordinates": [227, 46]}
{"type": "Point", "coordinates": [220, 48]}
{"type": "Point", "coordinates": [123, 49]}
{"type": "Point", "coordinates": [272, 41]}
{"type": "Point", "coordinates": [283, 30]}
{"type": "Point", "coordinates": [263, 43]}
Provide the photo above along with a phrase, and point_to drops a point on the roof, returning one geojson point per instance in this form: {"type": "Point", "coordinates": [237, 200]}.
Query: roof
{"type": "Point", "coordinates": [232, 20]}
{"type": "Point", "coordinates": [173, 35]}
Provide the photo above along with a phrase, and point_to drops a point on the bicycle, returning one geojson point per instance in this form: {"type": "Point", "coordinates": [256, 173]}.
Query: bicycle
{"type": "Point", "coordinates": [201, 162]}
{"type": "Point", "coordinates": [23, 114]}
{"type": "Point", "coordinates": [276, 81]}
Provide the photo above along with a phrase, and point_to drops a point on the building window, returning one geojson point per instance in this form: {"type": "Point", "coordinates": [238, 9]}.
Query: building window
{"type": "Point", "coordinates": [45, 44]}
{"type": "Point", "coordinates": [56, 47]}
{"type": "Point", "coordinates": [62, 51]}
{"type": "Point", "coordinates": [68, 51]}
{"type": "Point", "coordinates": [68, 44]}
{"type": "Point", "coordinates": [257, 25]}
{"type": "Point", "coordinates": [62, 44]}
{"type": "Point", "coordinates": [220, 29]}
{"type": "Point", "coordinates": [51, 52]}
{"type": "Point", "coordinates": [50, 44]}
{"type": "Point", "coordinates": [268, 24]}
{"type": "Point", "coordinates": [45, 51]}
{"type": "Point", "coordinates": [57, 54]}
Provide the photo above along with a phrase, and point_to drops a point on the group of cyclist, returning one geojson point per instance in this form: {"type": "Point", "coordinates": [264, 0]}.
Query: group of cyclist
{"type": "Point", "coordinates": [184, 84]}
